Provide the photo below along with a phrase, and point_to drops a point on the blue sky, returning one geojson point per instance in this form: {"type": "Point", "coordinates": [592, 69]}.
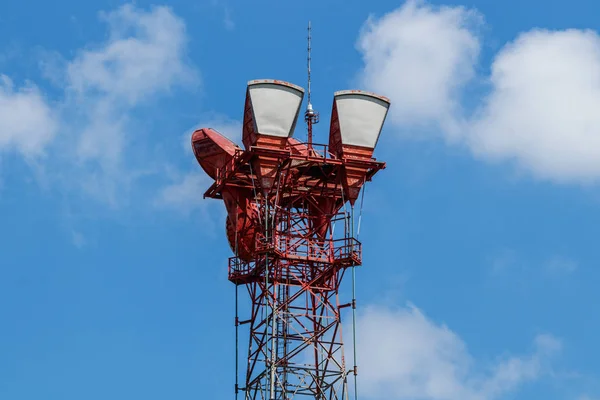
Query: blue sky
{"type": "Point", "coordinates": [480, 276]}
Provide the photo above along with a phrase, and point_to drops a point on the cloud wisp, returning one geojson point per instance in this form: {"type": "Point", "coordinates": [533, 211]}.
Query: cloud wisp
{"type": "Point", "coordinates": [27, 121]}
{"type": "Point", "coordinates": [91, 134]}
{"type": "Point", "coordinates": [406, 356]}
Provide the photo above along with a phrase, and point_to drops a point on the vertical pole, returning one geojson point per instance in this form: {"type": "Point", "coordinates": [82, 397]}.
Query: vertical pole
{"type": "Point", "coordinates": [237, 326]}
{"type": "Point", "coordinates": [273, 317]}
{"type": "Point", "coordinates": [266, 293]}
{"type": "Point", "coordinates": [284, 378]}
{"type": "Point", "coordinates": [309, 124]}
{"type": "Point", "coordinates": [273, 344]}
{"type": "Point", "coordinates": [309, 119]}
{"type": "Point", "coordinates": [237, 318]}
{"type": "Point", "coordinates": [354, 314]}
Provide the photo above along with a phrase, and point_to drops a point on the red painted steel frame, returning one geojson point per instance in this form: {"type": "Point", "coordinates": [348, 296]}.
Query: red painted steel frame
{"type": "Point", "coordinates": [294, 272]}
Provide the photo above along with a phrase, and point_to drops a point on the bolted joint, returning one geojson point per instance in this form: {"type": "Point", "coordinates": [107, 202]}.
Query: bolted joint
{"type": "Point", "coordinates": [354, 304]}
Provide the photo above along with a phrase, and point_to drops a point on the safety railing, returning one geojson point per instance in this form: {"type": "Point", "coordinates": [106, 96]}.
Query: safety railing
{"type": "Point", "coordinates": [238, 267]}
{"type": "Point", "coordinates": [300, 247]}
{"type": "Point", "coordinates": [228, 168]}
{"type": "Point", "coordinates": [344, 252]}
{"type": "Point", "coordinates": [317, 149]}
{"type": "Point", "coordinates": [348, 250]}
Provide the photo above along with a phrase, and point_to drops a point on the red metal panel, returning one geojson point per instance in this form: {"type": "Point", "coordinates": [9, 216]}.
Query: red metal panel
{"type": "Point", "coordinates": [212, 150]}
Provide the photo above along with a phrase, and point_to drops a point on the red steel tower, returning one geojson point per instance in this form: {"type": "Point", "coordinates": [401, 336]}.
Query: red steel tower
{"type": "Point", "coordinates": [290, 226]}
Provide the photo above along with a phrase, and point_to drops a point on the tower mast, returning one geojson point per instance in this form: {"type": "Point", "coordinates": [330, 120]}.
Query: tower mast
{"type": "Point", "coordinates": [283, 200]}
{"type": "Point", "coordinates": [310, 116]}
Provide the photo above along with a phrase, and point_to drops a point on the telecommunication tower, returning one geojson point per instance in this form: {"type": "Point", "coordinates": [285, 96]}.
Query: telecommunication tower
{"type": "Point", "coordinates": [290, 225]}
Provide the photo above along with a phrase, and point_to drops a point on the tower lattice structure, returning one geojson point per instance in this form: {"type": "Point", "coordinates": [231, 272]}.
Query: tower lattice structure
{"type": "Point", "coordinates": [290, 225]}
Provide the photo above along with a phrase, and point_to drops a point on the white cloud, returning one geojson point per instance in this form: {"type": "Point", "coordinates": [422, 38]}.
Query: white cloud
{"type": "Point", "coordinates": [184, 194]}
{"type": "Point", "coordinates": [27, 122]}
{"type": "Point", "coordinates": [227, 20]}
{"type": "Point", "coordinates": [509, 263]}
{"type": "Point", "coordinates": [542, 109]}
{"type": "Point", "coordinates": [420, 56]}
{"type": "Point", "coordinates": [406, 356]}
{"type": "Point", "coordinates": [560, 266]}
{"type": "Point", "coordinates": [144, 57]}
{"type": "Point", "coordinates": [78, 239]}
{"type": "Point", "coordinates": [145, 54]}
{"type": "Point", "coordinates": [103, 86]}
{"type": "Point", "coordinates": [540, 112]}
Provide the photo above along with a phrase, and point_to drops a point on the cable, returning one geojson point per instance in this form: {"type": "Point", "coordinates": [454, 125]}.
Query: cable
{"type": "Point", "coordinates": [362, 201]}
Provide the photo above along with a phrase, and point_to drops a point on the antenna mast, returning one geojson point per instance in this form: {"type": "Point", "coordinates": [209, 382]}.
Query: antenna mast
{"type": "Point", "coordinates": [310, 116]}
